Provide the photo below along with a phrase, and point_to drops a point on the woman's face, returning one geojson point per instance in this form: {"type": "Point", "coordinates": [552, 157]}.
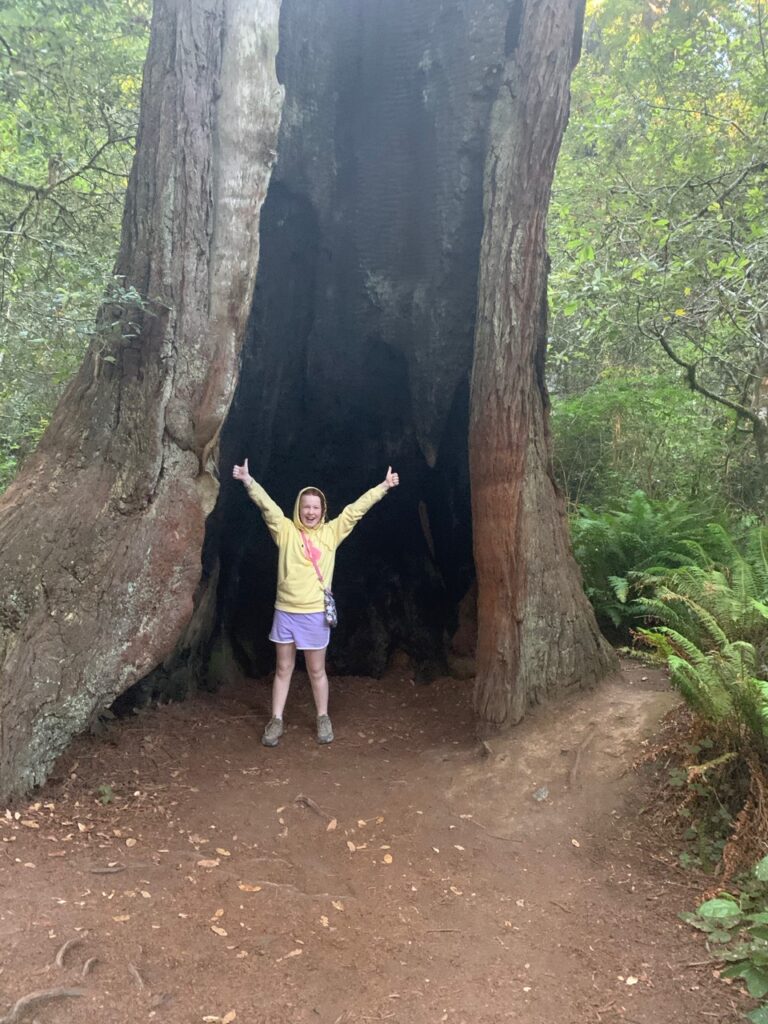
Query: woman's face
{"type": "Point", "coordinates": [310, 509]}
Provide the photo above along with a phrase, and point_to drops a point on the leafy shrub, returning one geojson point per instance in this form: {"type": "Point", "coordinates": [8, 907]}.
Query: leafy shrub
{"type": "Point", "coordinates": [713, 631]}
{"type": "Point", "coordinates": [618, 549]}
{"type": "Point", "coordinates": [737, 932]}
{"type": "Point", "coordinates": [710, 624]}
{"type": "Point", "coordinates": [630, 431]}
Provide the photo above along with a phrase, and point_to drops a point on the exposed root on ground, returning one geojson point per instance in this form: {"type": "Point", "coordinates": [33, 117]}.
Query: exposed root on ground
{"type": "Point", "coordinates": [69, 944]}
{"type": "Point", "coordinates": [33, 999]}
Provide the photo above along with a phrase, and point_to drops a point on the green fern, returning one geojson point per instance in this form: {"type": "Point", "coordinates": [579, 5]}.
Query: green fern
{"type": "Point", "coordinates": [617, 549]}
{"type": "Point", "coordinates": [712, 630]}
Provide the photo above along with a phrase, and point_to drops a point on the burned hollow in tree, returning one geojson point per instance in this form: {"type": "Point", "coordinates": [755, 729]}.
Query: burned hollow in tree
{"type": "Point", "coordinates": [359, 345]}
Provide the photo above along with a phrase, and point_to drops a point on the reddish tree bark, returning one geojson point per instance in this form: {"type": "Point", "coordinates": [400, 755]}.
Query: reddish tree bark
{"type": "Point", "coordinates": [101, 534]}
{"type": "Point", "coordinates": [536, 630]}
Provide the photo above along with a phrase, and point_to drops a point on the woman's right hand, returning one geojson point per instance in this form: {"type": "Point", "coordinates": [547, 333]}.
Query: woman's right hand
{"type": "Point", "coordinates": [241, 473]}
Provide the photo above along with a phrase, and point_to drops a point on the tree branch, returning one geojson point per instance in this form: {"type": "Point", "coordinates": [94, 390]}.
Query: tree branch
{"type": "Point", "coordinates": [695, 385]}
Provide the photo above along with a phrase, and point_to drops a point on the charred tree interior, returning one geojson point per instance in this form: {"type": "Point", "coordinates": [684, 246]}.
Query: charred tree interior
{"type": "Point", "coordinates": [359, 347]}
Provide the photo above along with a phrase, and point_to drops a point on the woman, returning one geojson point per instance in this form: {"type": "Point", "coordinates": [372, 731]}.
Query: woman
{"type": "Point", "coordinates": [306, 547]}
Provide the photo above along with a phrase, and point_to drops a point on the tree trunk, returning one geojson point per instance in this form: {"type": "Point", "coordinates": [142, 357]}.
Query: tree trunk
{"type": "Point", "coordinates": [101, 534]}
{"type": "Point", "coordinates": [536, 631]}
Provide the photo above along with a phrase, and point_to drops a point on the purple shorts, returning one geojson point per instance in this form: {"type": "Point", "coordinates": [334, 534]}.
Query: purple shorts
{"type": "Point", "coordinates": [308, 630]}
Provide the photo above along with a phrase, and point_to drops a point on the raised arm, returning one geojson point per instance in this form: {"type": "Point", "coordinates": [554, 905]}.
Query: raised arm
{"type": "Point", "coordinates": [271, 512]}
{"type": "Point", "coordinates": [350, 516]}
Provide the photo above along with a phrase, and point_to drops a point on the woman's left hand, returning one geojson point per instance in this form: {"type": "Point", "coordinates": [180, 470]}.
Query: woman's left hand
{"type": "Point", "coordinates": [391, 479]}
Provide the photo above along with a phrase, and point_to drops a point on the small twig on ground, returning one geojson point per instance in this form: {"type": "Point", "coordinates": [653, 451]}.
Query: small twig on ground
{"type": "Point", "coordinates": [307, 801]}
{"type": "Point", "coordinates": [567, 910]}
{"type": "Point", "coordinates": [89, 965]}
{"type": "Point", "coordinates": [494, 835]}
{"type": "Point", "coordinates": [133, 969]}
{"type": "Point", "coordinates": [586, 740]}
{"type": "Point", "coordinates": [110, 869]}
{"type": "Point", "coordinates": [69, 944]}
{"type": "Point", "coordinates": [35, 998]}
{"type": "Point", "coordinates": [300, 892]}
{"type": "Point", "coordinates": [604, 1009]}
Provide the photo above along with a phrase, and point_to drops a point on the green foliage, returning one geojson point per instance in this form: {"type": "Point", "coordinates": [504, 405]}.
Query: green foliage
{"type": "Point", "coordinates": [105, 794]}
{"type": "Point", "coordinates": [630, 432]}
{"type": "Point", "coordinates": [70, 75]}
{"type": "Point", "coordinates": [658, 226]}
{"type": "Point", "coordinates": [737, 933]}
{"type": "Point", "coordinates": [617, 550]}
{"type": "Point", "coordinates": [712, 629]}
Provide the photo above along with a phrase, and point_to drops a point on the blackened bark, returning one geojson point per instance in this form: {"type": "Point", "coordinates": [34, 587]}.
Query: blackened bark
{"type": "Point", "coordinates": [100, 536]}
{"type": "Point", "coordinates": [536, 630]}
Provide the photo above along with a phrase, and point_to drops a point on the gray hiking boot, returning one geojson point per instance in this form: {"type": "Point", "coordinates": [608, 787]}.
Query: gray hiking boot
{"type": "Point", "coordinates": [272, 732]}
{"type": "Point", "coordinates": [324, 729]}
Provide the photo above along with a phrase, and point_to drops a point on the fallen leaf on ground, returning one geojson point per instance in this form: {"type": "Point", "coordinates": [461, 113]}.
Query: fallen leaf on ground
{"type": "Point", "coordinates": [224, 853]}
{"type": "Point", "coordinates": [387, 858]}
{"type": "Point", "coordinates": [218, 913]}
{"type": "Point", "coordinates": [229, 1017]}
{"type": "Point", "coordinates": [218, 930]}
{"type": "Point", "coordinates": [131, 842]}
{"type": "Point", "coordinates": [211, 863]}
{"type": "Point", "coordinates": [247, 887]}
{"type": "Point", "coordinates": [337, 904]}
{"type": "Point", "coordinates": [331, 825]}
{"type": "Point", "coordinates": [294, 952]}
{"type": "Point", "coordinates": [575, 842]}
{"type": "Point", "coordinates": [631, 981]}
{"type": "Point", "coordinates": [122, 917]}
{"type": "Point", "coordinates": [351, 846]}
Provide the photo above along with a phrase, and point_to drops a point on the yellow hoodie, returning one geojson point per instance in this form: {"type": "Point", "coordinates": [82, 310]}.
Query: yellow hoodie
{"type": "Point", "coordinates": [298, 588]}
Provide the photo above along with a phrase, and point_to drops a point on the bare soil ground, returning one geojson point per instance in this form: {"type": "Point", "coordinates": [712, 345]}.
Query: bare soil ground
{"type": "Point", "coordinates": [408, 873]}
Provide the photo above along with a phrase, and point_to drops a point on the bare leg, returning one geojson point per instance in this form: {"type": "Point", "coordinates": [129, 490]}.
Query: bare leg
{"type": "Point", "coordinates": [315, 661]}
{"type": "Point", "coordinates": [286, 659]}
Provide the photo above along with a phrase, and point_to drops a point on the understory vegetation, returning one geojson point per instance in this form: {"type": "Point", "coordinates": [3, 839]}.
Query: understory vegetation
{"type": "Point", "coordinates": [70, 77]}
{"type": "Point", "coordinates": [658, 372]}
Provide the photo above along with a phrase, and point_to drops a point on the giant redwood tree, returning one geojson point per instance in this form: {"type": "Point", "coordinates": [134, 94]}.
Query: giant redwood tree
{"type": "Point", "coordinates": [401, 229]}
{"type": "Point", "coordinates": [100, 535]}
{"type": "Point", "coordinates": [536, 632]}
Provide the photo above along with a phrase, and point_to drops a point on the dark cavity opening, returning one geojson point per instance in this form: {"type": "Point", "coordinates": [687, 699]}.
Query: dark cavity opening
{"type": "Point", "coordinates": [359, 345]}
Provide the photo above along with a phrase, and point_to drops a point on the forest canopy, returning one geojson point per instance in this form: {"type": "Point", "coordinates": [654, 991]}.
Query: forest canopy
{"type": "Point", "coordinates": [70, 78]}
{"type": "Point", "coordinates": [659, 244]}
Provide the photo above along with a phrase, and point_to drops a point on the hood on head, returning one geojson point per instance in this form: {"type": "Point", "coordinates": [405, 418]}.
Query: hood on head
{"type": "Point", "coordinates": [297, 519]}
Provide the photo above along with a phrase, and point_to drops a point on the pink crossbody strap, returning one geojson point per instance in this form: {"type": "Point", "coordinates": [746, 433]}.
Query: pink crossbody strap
{"type": "Point", "coordinates": [312, 555]}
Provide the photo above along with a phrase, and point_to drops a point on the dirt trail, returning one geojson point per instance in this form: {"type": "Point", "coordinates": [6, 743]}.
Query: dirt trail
{"type": "Point", "coordinates": [408, 873]}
